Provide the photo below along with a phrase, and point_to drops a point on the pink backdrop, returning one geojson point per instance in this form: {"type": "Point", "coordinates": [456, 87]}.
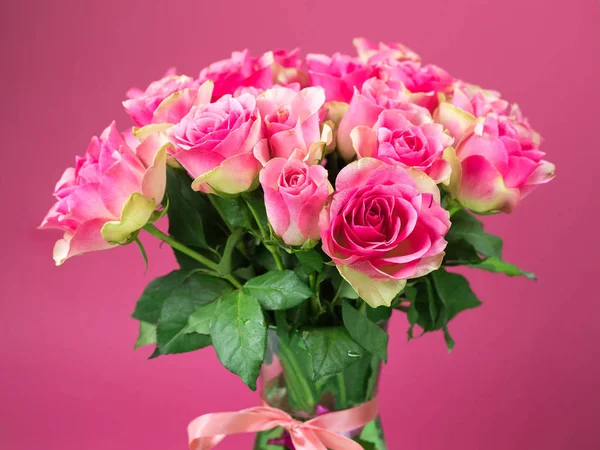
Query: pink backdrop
{"type": "Point", "coordinates": [525, 370]}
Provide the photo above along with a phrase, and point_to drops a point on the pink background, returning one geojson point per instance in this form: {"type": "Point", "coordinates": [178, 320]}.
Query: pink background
{"type": "Point", "coordinates": [525, 372]}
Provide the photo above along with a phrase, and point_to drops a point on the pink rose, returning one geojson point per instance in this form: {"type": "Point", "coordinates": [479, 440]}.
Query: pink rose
{"type": "Point", "coordinates": [110, 193]}
{"type": "Point", "coordinates": [396, 141]}
{"type": "Point", "coordinates": [141, 105]}
{"type": "Point", "coordinates": [372, 53]}
{"type": "Point", "coordinates": [291, 121]}
{"type": "Point", "coordinates": [497, 163]}
{"type": "Point", "coordinates": [287, 68]}
{"type": "Point", "coordinates": [295, 194]}
{"type": "Point", "coordinates": [383, 226]}
{"type": "Point", "coordinates": [465, 103]}
{"type": "Point", "coordinates": [239, 70]}
{"type": "Point", "coordinates": [338, 74]}
{"type": "Point", "coordinates": [424, 82]}
{"type": "Point", "coordinates": [215, 144]}
{"type": "Point", "coordinates": [366, 105]}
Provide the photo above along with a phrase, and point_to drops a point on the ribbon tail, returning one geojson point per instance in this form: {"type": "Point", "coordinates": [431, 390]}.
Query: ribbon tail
{"type": "Point", "coordinates": [206, 443]}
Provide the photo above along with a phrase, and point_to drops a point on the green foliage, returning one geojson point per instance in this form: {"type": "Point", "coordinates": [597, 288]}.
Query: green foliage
{"type": "Point", "coordinates": [312, 259]}
{"type": "Point", "coordinates": [150, 304]}
{"type": "Point", "coordinates": [279, 289]}
{"type": "Point", "coordinates": [331, 350]}
{"type": "Point", "coordinates": [239, 335]}
{"type": "Point", "coordinates": [470, 245]}
{"type": "Point", "coordinates": [437, 299]}
{"type": "Point", "coordinates": [147, 335]}
{"type": "Point", "coordinates": [370, 336]}
{"type": "Point", "coordinates": [194, 291]}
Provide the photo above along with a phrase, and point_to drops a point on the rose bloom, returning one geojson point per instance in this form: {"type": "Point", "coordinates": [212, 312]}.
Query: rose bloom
{"type": "Point", "coordinates": [396, 141]}
{"type": "Point", "coordinates": [291, 121]}
{"type": "Point", "coordinates": [497, 164]}
{"type": "Point", "coordinates": [215, 144]}
{"type": "Point", "coordinates": [372, 53]}
{"type": "Point", "coordinates": [141, 105]}
{"type": "Point", "coordinates": [337, 74]}
{"type": "Point", "coordinates": [423, 81]}
{"type": "Point", "coordinates": [368, 103]}
{"type": "Point", "coordinates": [240, 70]}
{"type": "Point", "coordinates": [295, 194]}
{"type": "Point", "coordinates": [383, 226]}
{"type": "Point", "coordinates": [466, 102]}
{"type": "Point", "coordinates": [110, 193]}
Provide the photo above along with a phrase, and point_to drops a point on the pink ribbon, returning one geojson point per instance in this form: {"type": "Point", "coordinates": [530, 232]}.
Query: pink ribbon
{"type": "Point", "coordinates": [320, 433]}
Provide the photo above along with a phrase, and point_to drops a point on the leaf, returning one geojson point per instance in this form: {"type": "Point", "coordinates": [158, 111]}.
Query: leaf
{"type": "Point", "coordinates": [279, 289]}
{"type": "Point", "coordinates": [467, 227]}
{"type": "Point", "coordinates": [234, 211]}
{"type": "Point", "coordinates": [143, 252]}
{"type": "Point", "coordinates": [454, 292]}
{"type": "Point", "coordinates": [256, 203]}
{"type": "Point", "coordinates": [496, 265]}
{"type": "Point", "coordinates": [147, 335]}
{"type": "Point", "coordinates": [366, 333]}
{"type": "Point", "coordinates": [449, 341]}
{"type": "Point", "coordinates": [224, 267]}
{"type": "Point", "coordinates": [195, 291]}
{"type": "Point", "coordinates": [311, 259]}
{"type": "Point", "coordinates": [149, 305]}
{"type": "Point", "coordinates": [199, 320]}
{"type": "Point", "coordinates": [185, 206]}
{"type": "Point", "coordinates": [239, 334]}
{"type": "Point", "coordinates": [331, 350]}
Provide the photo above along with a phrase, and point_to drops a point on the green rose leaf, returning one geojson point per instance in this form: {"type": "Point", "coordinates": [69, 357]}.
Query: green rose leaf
{"type": "Point", "coordinates": [147, 335]}
{"type": "Point", "coordinates": [234, 211]}
{"type": "Point", "coordinates": [279, 289]}
{"type": "Point", "coordinates": [496, 265]}
{"type": "Point", "coordinates": [311, 259]}
{"type": "Point", "coordinates": [149, 305]}
{"type": "Point", "coordinates": [192, 219]}
{"type": "Point", "coordinates": [467, 227]}
{"type": "Point", "coordinates": [199, 320]}
{"type": "Point", "coordinates": [454, 292]}
{"type": "Point", "coordinates": [331, 350]}
{"type": "Point", "coordinates": [239, 335]}
{"type": "Point", "coordinates": [366, 333]}
{"type": "Point", "coordinates": [195, 290]}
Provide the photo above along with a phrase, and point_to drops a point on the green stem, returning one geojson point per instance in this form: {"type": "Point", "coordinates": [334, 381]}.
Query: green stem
{"type": "Point", "coordinates": [294, 372]}
{"type": "Point", "coordinates": [336, 297]}
{"type": "Point", "coordinates": [219, 210]}
{"type": "Point", "coordinates": [189, 252]}
{"type": "Point", "coordinates": [263, 233]}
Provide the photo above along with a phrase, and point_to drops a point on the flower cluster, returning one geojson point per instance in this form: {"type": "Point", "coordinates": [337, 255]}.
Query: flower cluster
{"type": "Point", "coordinates": [363, 154]}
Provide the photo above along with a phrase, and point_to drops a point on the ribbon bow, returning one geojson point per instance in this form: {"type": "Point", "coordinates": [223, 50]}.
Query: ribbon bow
{"type": "Point", "coordinates": [320, 433]}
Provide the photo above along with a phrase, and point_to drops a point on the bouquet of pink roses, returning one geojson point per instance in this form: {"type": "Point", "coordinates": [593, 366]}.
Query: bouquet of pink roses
{"type": "Point", "coordinates": [307, 199]}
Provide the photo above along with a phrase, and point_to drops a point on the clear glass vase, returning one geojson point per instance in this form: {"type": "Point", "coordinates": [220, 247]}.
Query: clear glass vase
{"type": "Point", "coordinates": [286, 383]}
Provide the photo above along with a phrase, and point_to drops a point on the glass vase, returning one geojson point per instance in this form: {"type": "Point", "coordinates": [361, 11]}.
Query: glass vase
{"type": "Point", "coordinates": [287, 384]}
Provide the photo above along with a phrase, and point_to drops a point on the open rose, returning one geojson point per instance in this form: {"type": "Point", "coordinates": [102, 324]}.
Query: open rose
{"type": "Point", "coordinates": [291, 121]}
{"type": "Point", "coordinates": [368, 103]}
{"type": "Point", "coordinates": [396, 141]}
{"type": "Point", "coordinates": [215, 144]}
{"type": "Point", "coordinates": [337, 74]}
{"type": "Point", "coordinates": [295, 194]}
{"type": "Point", "coordinates": [240, 70]}
{"type": "Point", "coordinates": [383, 226]}
{"type": "Point", "coordinates": [141, 105]}
{"type": "Point", "coordinates": [466, 102]}
{"type": "Point", "coordinates": [110, 193]}
{"type": "Point", "coordinates": [497, 163]}
{"type": "Point", "coordinates": [372, 53]}
{"type": "Point", "coordinates": [423, 81]}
